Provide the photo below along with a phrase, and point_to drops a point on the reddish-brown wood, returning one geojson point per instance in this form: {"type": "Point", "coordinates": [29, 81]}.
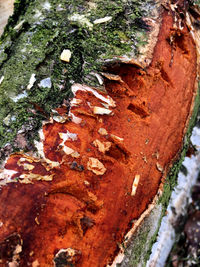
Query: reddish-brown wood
{"type": "Point", "coordinates": [87, 206]}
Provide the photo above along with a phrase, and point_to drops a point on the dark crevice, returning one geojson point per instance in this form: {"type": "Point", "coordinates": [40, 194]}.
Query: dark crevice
{"type": "Point", "coordinates": [179, 41]}
{"type": "Point", "coordinates": [165, 76]}
{"type": "Point", "coordinates": [140, 111]}
{"type": "Point", "coordinates": [118, 152]}
{"type": "Point", "coordinates": [86, 223]}
{"type": "Point", "coordinates": [8, 246]}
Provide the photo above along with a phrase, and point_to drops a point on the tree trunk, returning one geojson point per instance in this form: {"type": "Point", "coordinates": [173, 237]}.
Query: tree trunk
{"type": "Point", "coordinates": [98, 100]}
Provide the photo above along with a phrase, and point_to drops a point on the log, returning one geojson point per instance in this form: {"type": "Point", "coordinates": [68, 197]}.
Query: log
{"type": "Point", "coordinates": [98, 101]}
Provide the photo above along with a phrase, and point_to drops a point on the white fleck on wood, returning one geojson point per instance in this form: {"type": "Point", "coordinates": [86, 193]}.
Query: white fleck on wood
{"type": "Point", "coordinates": [135, 184]}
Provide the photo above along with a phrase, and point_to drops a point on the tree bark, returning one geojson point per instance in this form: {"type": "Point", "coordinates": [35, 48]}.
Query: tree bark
{"type": "Point", "coordinates": [95, 183]}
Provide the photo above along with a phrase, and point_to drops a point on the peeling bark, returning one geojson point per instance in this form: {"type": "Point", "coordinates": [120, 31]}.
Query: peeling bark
{"type": "Point", "coordinates": [105, 154]}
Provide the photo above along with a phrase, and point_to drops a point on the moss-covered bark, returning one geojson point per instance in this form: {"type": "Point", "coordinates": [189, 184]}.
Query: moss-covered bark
{"type": "Point", "coordinates": [139, 249]}
{"type": "Point", "coordinates": [32, 43]}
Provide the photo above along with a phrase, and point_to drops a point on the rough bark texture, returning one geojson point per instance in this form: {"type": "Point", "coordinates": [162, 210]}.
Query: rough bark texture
{"type": "Point", "coordinates": [104, 154]}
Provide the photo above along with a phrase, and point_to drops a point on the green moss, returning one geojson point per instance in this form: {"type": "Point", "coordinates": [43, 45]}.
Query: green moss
{"type": "Point", "coordinates": [137, 253]}
{"type": "Point", "coordinates": [171, 180]}
{"type": "Point", "coordinates": [140, 249]}
{"type": "Point", "coordinates": [35, 47]}
{"type": "Point", "coordinates": [141, 239]}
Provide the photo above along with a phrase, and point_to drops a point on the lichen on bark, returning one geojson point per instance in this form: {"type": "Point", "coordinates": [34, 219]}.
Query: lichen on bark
{"type": "Point", "coordinates": [32, 43]}
{"type": "Point", "coordinates": [91, 49]}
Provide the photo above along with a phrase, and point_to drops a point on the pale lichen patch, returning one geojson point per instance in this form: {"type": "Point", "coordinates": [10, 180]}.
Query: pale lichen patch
{"type": "Point", "coordinates": [37, 15]}
{"type": "Point", "coordinates": [45, 83]}
{"type": "Point", "coordinates": [16, 98]}
{"type": "Point", "coordinates": [102, 20]}
{"type": "Point", "coordinates": [1, 79]}
{"type": "Point", "coordinates": [7, 119]}
{"type": "Point", "coordinates": [81, 20]}
{"type": "Point", "coordinates": [46, 5]}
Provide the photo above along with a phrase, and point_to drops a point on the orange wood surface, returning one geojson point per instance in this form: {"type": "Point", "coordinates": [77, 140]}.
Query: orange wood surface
{"type": "Point", "coordinates": [91, 203]}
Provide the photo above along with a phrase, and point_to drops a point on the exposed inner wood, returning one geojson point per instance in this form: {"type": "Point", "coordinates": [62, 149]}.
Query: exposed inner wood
{"type": "Point", "coordinates": [110, 166]}
{"type": "Point", "coordinates": [6, 9]}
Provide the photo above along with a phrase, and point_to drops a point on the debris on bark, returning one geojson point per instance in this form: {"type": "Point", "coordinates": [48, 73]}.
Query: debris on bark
{"type": "Point", "coordinates": [89, 177]}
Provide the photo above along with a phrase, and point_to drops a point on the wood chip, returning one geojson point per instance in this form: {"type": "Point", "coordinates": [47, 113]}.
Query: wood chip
{"type": "Point", "coordinates": [102, 111]}
{"type": "Point", "coordinates": [28, 167]}
{"type": "Point", "coordinates": [159, 167]}
{"type": "Point", "coordinates": [37, 221]}
{"type": "Point", "coordinates": [102, 146]}
{"type": "Point", "coordinates": [96, 166]}
{"type": "Point", "coordinates": [31, 81]}
{"type": "Point", "coordinates": [71, 152]}
{"type": "Point", "coordinates": [135, 184]}
{"type": "Point", "coordinates": [66, 55]}
{"type": "Point", "coordinates": [35, 263]}
{"type": "Point", "coordinates": [29, 177]}
{"type": "Point", "coordinates": [117, 138]}
{"type": "Point", "coordinates": [102, 131]}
